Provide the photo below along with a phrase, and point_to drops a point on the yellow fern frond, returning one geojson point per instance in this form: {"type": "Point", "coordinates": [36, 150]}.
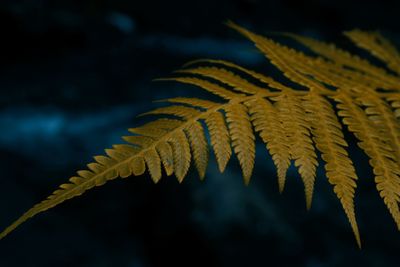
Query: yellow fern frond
{"type": "Point", "coordinates": [199, 147]}
{"type": "Point", "coordinates": [329, 140]}
{"type": "Point", "coordinates": [206, 85]}
{"type": "Point", "coordinates": [380, 114]}
{"type": "Point", "coordinates": [301, 149]}
{"type": "Point", "coordinates": [164, 149]}
{"type": "Point", "coordinates": [382, 158]}
{"type": "Point", "coordinates": [153, 163]}
{"type": "Point", "coordinates": [195, 102]}
{"type": "Point", "coordinates": [179, 111]}
{"type": "Point", "coordinates": [341, 57]}
{"type": "Point", "coordinates": [241, 132]}
{"type": "Point", "coordinates": [262, 78]}
{"type": "Point", "coordinates": [289, 121]}
{"type": "Point", "coordinates": [265, 118]}
{"type": "Point", "coordinates": [378, 46]}
{"type": "Point", "coordinates": [181, 152]}
{"type": "Point", "coordinates": [157, 128]}
{"type": "Point", "coordinates": [220, 139]}
{"type": "Point", "coordinates": [341, 64]}
{"type": "Point", "coordinates": [225, 77]}
{"type": "Point", "coordinates": [278, 54]}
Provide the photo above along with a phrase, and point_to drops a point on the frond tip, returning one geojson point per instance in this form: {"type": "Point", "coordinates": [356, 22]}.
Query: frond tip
{"type": "Point", "coordinates": [294, 124]}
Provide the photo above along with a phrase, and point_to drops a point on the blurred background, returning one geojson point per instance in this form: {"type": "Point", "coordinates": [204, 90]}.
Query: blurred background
{"type": "Point", "coordinates": [73, 77]}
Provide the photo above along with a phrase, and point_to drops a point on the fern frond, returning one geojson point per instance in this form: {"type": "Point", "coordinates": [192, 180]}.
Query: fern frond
{"type": "Point", "coordinates": [225, 77]}
{"type": "Point", "coordinates": [329, 140]}
{"type": "Point", "coordinates": [292, 123]}
{"type": "Point", "coordinates": [157, 128]}
{"type": "Point", "coordinates": [265, 118]}
{"type": "Point", "coordinates": [380, 114]}
{"type": "Point", "coordinates": [341, 65]}
{"type": "Point", "coordinates": [262, 78]}
{"type": "Point", "coordinates": [301, 148]}
{"type": "Point", "coordinates": [378, 46]}
{"type": "Point", "coordinates": [125, 160]}
{"type": "Point", "coordinates": [181, 152]}
{"type": "Point", "coordinates": [153, 163]}
{"type": "Point", "coordinates": [278, 54]}
{"type": "Point", "coordinates": [241, 132]}
{"type": "Point", "coordinates": [382, 158]}
{"type": "Point", "coordinates": [220, 139]}
{"type": "Point", "coordinates": [195, 102]}
{"type": "Point", "coordinates": [179, 111]}
{"type": "Point", "coordinates": [342, 58]}
{"type": "Point", "coordinates": [164, 149]}
{"type": "Point", "coordinates": [199, 145]}
{"type": "Point", "coordinates": [206, 85]}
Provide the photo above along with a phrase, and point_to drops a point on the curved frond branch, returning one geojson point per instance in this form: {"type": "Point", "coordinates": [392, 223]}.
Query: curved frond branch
{"type": "Point", "coordinates": [181, 153]}
{"type": "Point", "coordinates": [243, 140]}
{"type": "Point", "coordinates": [199, 145]}
{"type": "Point", "coordinates": [206, 85]}
{"type": "Point", "coordinates": [301, 148]}
{"type": "Point", "coordinates": [273, 51]}
{"type": "Point", "coordinates": [226, 77]}
{"type": "Point", "coordinates": [329, 140]}
{"type": "Point", "coordinates": [265, 118]}
{"type": "Point", "coordinates": [382, 158]}
{"type": "Point", "coordinates": [379, 112]}
{"type": "Point", "coordinates": [194, 102]}
{"type": "Point", "coordinates": [220, 139]}
{"type": "Point", "coordinates": [342, 58]}
{"type": "Point", "coordinates": [265, 79]}
{"type": "Point", "coordinates": [378, 46]}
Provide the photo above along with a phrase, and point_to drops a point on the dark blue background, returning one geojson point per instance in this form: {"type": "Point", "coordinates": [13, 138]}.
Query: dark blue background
{"type": "Point", "coordinates": [73, 77]}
